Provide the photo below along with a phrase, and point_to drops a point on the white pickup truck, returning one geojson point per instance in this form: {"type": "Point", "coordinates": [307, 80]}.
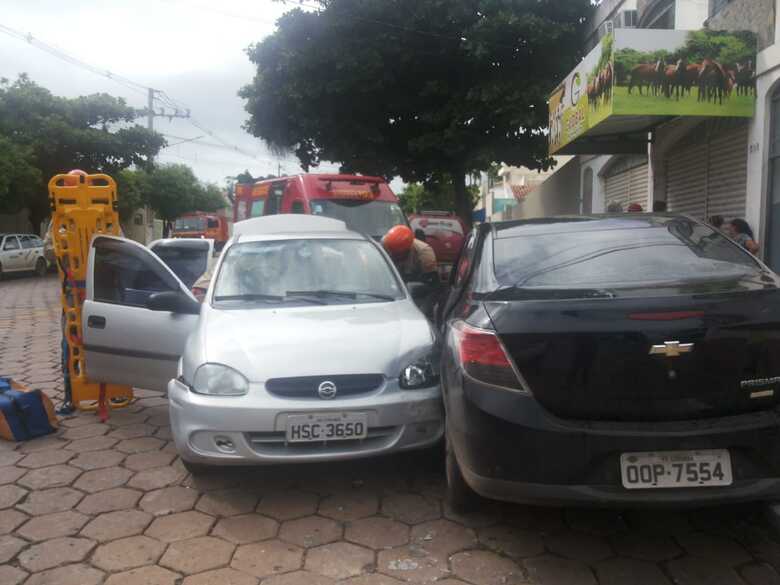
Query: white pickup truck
{"type": "Point", "coordinates": [22, 253]}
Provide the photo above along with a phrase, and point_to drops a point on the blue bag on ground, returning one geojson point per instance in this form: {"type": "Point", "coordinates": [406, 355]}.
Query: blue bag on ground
{"type": "Point", "coordinates": [24, 414]}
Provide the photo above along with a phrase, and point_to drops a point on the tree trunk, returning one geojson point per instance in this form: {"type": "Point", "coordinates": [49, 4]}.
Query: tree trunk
{"type": "Point", "coordinates": [463, 203]}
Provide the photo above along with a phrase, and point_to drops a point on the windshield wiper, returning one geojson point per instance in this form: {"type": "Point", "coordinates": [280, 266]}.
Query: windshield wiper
{"type": "Point", "coordinates": [340, 293]}
{"type": "Point", "coordinates": [249, 297]}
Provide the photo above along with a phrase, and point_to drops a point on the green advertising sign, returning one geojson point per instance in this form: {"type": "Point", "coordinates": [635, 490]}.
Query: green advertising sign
{"type": "Point", "coordinates": [646, 74]}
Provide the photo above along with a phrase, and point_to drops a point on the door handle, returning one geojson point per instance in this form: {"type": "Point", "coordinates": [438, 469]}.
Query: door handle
{"type": "Point", "coordinates": [96, 322]}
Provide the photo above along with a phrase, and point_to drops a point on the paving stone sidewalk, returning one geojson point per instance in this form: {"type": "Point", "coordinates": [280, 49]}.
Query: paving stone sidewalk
{"type": "Point", "coordinates": [111, 504]}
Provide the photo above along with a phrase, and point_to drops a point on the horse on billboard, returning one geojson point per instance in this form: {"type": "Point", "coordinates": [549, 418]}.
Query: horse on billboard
{"type": "Point", "coordinates": [648, 74]}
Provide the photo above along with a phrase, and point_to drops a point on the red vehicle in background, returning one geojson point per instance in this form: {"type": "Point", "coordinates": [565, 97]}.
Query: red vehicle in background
{"type": "Point", "coordinates": [444, 232]}
{"type": "Point", "coordinates": [200, 224]}
{"type": "Point", "coordinates": [365, 204]}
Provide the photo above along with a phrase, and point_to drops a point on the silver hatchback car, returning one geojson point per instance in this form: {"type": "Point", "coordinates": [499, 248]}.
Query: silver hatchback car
{"type": "Point", "coordinates": [307, 346]}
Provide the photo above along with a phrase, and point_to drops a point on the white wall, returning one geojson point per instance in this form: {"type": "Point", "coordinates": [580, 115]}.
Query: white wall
{"type": "Point", "coordinates": [690, 14]}
{"type": "Point", "coordinates": [768, 78]}
{"type": "Point", "coordinates": [596, 164]}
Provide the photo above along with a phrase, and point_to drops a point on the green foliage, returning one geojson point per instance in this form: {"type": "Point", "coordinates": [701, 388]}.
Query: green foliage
{"type": "Point", "coordinates": [245, 177]}
{"type": "Point", "coordinates": [415, 89]}
{"type": "Point", "coordinates": [131, 191]}
{"type": "Point", "coordinates": [18, 175]}
{"type": "Point", "coordinates": [170, 190]}
{"type": "Point", "coordinates": [434, 195]}
{"type": "Point", "coordinates": [95, 133]}
{"type": "Point", "coordinates": [208, 197]}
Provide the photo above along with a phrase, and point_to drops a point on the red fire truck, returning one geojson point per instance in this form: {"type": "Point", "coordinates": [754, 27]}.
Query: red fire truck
{"type": "Point", "coordinates": [365, 204]}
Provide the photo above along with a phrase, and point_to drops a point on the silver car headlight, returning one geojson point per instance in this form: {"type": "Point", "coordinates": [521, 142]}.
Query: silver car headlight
{"type": "Point", "coordinates": [422, 373]}
{"type": "Point", "coordinates": [219, 380]}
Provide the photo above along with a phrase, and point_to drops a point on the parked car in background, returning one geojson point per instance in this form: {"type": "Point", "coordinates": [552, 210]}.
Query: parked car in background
{"type": "Point", "coordinates": [199, 224]}
{"type": "Point", "coordinates": [22, 253]}
{"type": "Point", "coordinates": [307, 347]}
{"type": "Point", "coordinates": [444, 232]}
{"type": "Point", "coordinates": [611, 360]}
{"type": "Point", "coordinates": [366, 204]}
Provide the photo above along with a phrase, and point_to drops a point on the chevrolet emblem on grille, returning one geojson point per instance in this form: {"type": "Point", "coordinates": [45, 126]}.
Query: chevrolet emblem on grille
{"type": "Point", "coordinates": [671, 349]}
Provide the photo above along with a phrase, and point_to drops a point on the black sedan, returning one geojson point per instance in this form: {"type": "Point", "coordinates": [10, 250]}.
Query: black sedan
{"type": "Point", "coordinates": [611, 360]}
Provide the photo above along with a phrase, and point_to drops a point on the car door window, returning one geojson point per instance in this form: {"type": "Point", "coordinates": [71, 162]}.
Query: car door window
{"type": "Point", "coordinates": [26, 242]}
{"type": "Point", "coordinates": [458, 276]}
{"type": "Point", "coordinates": [11, 243]}
{"type": "Point", "coordinates": [126, 274]}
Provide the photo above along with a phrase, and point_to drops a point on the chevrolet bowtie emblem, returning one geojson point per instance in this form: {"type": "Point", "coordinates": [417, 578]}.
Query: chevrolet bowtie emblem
{"type": "Point", "coordinates": [671, 349]}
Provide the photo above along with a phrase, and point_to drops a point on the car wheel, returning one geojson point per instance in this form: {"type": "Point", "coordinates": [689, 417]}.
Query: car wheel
{"type": "Point", "coordinates": [197, 468]}
{"type": "Point", "coordinates": [460, 497]}
{"type": "Point", "coordinates": [40, 267]}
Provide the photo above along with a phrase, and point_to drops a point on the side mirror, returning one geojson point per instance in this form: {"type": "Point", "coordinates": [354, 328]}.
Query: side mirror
{"type": "Point", "coordinates": [173, 301]}
{"type": "Point", "coordinates": [418, 290]}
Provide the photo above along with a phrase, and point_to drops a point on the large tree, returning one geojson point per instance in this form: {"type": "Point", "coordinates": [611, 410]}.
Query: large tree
{"type": "Point", "coordinates": [96, 133]}
{"type": "Point", "coordinates": [416, 89]}
{"type": "Point", "coordinates": [172, 190]}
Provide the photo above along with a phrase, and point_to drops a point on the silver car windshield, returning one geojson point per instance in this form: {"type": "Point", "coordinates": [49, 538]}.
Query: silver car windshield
{"type": "Point", "coordinates": [313, 271]}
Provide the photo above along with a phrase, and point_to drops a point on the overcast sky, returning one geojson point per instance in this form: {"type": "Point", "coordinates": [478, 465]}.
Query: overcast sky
{"type": "Point", "coordinates": [191, 49]}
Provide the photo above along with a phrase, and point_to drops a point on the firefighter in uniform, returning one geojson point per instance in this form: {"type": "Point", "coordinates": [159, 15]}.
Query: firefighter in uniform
{"type": "Point", "coordinates": [416, 261]}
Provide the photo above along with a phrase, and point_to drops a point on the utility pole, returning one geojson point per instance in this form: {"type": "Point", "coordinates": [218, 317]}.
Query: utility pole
{"type": "Point", "coordinates": [150, 110]}
{"type": "Point", "coordinates": [150, 116]}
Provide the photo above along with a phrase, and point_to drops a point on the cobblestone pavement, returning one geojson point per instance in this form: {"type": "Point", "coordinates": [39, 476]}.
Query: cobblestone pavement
{"type": "Point", "coordinates": [110, 503]}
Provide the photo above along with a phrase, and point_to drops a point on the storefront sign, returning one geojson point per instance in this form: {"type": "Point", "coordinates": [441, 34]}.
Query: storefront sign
{"type": "Point", "coordinates": [636, 77]}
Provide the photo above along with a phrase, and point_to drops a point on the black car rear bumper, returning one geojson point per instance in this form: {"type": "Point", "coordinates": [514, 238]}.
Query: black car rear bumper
{"type": "Point", "coordinates": [510, 448]}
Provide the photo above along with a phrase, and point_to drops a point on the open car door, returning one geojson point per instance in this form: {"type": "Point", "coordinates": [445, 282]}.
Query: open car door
{"type": "Point", "coordinates": [137, 315]}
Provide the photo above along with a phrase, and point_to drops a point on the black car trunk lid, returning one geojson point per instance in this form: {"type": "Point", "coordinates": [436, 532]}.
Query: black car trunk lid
{"type": "Point", "coordinates": [628, 359]}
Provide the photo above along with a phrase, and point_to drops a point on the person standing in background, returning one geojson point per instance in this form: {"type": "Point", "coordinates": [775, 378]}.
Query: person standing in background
{"type": "Point", "coordinates": [740, 232]}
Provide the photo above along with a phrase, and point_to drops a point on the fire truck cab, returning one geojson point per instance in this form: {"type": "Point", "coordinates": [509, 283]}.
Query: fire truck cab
{"type": "Point", "coordinates": [365, 204]}
{"type": "Point", "coordinates": [199, 224]}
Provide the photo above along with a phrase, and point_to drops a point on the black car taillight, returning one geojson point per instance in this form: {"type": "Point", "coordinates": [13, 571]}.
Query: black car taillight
{"type": "Point", "coordinates": [484, 358]}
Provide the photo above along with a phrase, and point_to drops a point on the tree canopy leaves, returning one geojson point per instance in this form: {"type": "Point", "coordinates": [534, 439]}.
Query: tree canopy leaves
{"type": "Point", "coordinates": [51, 134]}
{"type": "Point", "coordinates": [170, 190]}
{"type": "Point", "coordinates": [416, 89]}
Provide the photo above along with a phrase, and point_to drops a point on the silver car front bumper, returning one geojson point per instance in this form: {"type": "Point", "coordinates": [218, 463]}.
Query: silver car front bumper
{"type": "Point", "coordinates": [251, 429]}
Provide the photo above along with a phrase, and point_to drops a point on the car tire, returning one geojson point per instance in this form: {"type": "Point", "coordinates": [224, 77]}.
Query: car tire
{"type": "Point", "coordinates": [197, 468]}
{"type": "Point", "coordinates": [460, 497]}
{"type": "Point", "coordinates": [41, 268]}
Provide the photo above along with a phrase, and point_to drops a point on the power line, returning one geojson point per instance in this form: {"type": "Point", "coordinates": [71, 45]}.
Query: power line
{"type": "Point", "coordinates": [181, 110]}
{"type": "Point", "coordinates": [60, 54]}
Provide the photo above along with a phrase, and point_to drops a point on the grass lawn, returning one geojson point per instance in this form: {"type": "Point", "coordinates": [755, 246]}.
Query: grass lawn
{"type": "Point", "coordinates": [634, 104]}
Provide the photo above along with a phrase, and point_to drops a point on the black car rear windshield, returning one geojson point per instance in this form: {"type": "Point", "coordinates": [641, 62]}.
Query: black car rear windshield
{"type": "Point", "coordinates": [670, 251]}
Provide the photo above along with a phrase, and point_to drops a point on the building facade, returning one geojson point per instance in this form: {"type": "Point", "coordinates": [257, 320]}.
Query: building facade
{"type": "Point", "coordinates": [698, 165]}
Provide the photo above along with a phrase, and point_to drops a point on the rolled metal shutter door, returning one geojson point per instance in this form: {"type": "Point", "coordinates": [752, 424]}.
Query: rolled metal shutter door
{"type": "Point", "coordinates": [616, 189]}
{"type": "Point", "coordinates": [727, 172]}
{"type": "Point", "coordinates": [638, 191]}
{"type": "Point", "coordinates": [686, 174]}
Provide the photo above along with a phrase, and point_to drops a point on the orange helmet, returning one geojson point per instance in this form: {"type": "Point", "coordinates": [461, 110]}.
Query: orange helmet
{"type": "Point", "coordinates": [398, 241]}
{"type": "Point", "coordinates": [73, 177]}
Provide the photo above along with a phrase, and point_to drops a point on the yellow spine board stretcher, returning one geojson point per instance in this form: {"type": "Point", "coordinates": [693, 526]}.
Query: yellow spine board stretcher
{"type": "Point", "coordinates": [82, 206]}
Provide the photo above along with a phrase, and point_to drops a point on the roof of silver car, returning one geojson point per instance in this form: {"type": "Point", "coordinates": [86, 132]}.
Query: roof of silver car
{"type": "Point", "coordinates": [288, 224]}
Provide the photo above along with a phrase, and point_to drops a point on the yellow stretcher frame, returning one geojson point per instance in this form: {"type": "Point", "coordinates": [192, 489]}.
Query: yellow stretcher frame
{"type": "Point", "coordinates": [82, 206]}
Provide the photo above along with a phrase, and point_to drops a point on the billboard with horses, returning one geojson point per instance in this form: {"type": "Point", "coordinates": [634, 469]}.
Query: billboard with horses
{"type": "Point", "coordinates": [655, 73]}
